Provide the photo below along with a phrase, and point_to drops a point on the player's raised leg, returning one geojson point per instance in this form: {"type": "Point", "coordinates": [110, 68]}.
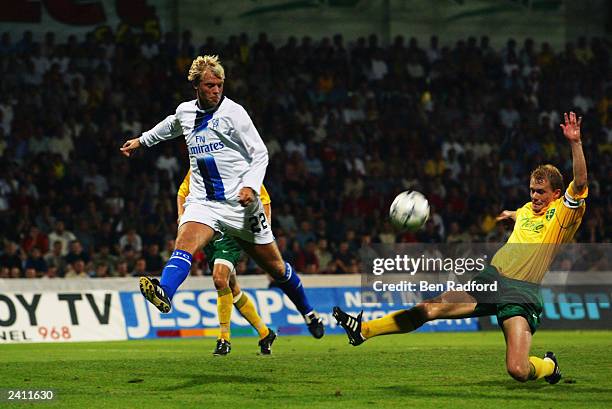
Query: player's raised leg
{"type": "Point", "coordinates": [519, 364]}
{"type": "Point", "coordinates": [191, 236]}
{"type": "Point", "coordinates": [245, 306]}
{"type": "Point", "coordinates": [268, 257]}
{"type": "Point", "coordinates": [451, 304]}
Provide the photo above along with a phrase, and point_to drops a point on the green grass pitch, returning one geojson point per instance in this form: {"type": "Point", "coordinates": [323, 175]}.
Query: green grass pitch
{"type": "Point", "coordinates": [436, 370]}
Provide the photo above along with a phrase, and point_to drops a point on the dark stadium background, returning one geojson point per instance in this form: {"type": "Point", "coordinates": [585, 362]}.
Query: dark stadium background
{"type": "Point", "coordinates": [349, 121]}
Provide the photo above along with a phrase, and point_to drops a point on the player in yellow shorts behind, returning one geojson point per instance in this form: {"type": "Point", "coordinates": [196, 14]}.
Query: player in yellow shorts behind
{"type": "Point", "coordinates": [222, 256]}
{"type": "Point", "coordinates": [541, 226]}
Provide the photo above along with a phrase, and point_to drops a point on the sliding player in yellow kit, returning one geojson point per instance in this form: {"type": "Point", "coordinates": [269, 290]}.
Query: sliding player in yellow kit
{"type": "Point", "coordinates": [222, 256]}
{"type": "Point", "coordinates": [541, 226]}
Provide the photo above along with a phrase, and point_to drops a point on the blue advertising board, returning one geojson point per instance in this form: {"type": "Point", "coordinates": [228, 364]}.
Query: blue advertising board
{"type": "Point", "coordinates": [194, 313]}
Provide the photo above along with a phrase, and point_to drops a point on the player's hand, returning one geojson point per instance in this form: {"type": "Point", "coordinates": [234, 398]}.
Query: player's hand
{"type": "Point", "coordinates": [571, 127]}
{"type": "Point", "coordinates": [506, 214]}
{"type": "Point", "coordinates": [130, 146]}
{"type": "Point", "coordinates": [246, 196]}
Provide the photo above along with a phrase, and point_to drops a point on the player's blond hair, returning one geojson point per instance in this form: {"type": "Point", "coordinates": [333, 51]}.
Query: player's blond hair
{"type": "Point", "coordinates": [202, 64]}
{"type": "Point", "coordinates": [550, 173]}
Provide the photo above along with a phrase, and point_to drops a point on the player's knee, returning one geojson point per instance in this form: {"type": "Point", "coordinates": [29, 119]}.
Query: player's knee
{"type": "Point", "coordinates": [220, 281]}
{"type": "Point", "coordinates": [276, 269]}
{"type": "Point", "coordinates": [191, 238]}
{"type": "Point", "coordinates": [518, 371]}
{"type": "Point", "coordinates": [233, 284]}
{"type": "Point", "coordinates": [235, 290]}
{"type": "Point", "coordinates": [428, 310]}
{"type": "Point", "coordinates": [185, 245]}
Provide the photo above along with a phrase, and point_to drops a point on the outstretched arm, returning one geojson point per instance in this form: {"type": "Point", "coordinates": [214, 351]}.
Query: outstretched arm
{"type": "Point", "coordinates": [571, 130]}
{"type": "Point", "coordinates": [169, 128]}
{"type": "Point", "coordinates": [506, 214]}
{"type": "Point", "coordinates": [129, 146]}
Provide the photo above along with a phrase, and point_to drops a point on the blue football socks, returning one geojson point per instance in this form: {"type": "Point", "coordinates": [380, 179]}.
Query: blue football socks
{"type": "Point", "coordinates": [292, 286]}
{"type": "Point", "coordinates": [175, 272]}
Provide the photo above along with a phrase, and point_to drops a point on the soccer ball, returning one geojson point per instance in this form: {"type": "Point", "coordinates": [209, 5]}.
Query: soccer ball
{"type": "Point", "coordinates": [409, 211]}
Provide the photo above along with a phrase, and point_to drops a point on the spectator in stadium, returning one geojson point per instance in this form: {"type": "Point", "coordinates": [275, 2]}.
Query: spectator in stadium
{"type": "Point", "coordinates": [76, 270]}
{"type": "Point", "coordinates": [310, 260]}
{"type": "Point", "coordinates": [140, 268]}
{"type": "Point", "coordinates": [54, 258]}
{"type": "Point", "coordinates": [121, 269]}
{"type": "Point", "coordinates": [101, 271]}
{"type": "Point", "coordinates": [12, 256]}
{"type": "Point", "coordinates": [345, 260]}
{"type": "Point", "coordinates": [167, 161]}
{"type": "Point", "coordinates": [76, 252]}
{"type": "Point", "coordinates": [104, 257]}
{"type": "Point", "coordinates": [153, 260]}
{"type": "Point", "coordinates": [15, 272]}
{"type": "Point", "coordinates": [30, 272]}
{"type": "Point", "coordinates": [167, 251]}
{"type": "Point", "coordinates": [129, 256]}
{"type": "Point", "coordinates": [65, 237]}
{"type": "Point", "coordinates": [132, 240]}
{"type": "Point", "coordinates": [36, 261]}
{"type": "Point", "coordinates": [456, 235]}
{"type": "Point", "coordinates": [324, 257]}
{"type": "Point", "coordinates": [429, 234]}
{"type": "Point", "coordinates": [51, 273]}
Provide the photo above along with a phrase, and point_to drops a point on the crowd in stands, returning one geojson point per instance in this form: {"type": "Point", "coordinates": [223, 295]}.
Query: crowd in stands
{"type": "Point", "coordinates": [348, 125]}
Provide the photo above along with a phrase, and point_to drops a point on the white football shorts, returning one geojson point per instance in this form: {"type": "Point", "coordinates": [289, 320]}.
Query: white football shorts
{"type": "Point", "coordinates": [247, 223]}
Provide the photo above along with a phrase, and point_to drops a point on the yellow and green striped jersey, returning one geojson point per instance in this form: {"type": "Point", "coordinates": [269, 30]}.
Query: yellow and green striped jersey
{"type": "Point", "coordinates": [536, 237]}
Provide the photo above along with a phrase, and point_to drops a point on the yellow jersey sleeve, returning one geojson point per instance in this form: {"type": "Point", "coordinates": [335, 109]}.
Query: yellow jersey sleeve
{"type": "Point", "coordinates": [572, 206]}
{"type": "Point", "coordinates": [572, 194]}
{"type": "Point", "coordinates": [184, 188]}
{"type": "Point", "coordinates": [264, 196]}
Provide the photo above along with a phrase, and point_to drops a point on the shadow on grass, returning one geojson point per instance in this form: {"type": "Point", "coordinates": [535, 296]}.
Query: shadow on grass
{"type": "Point", "coordinates": [404, 390]}
{"type": "Point", "coordinates": [208, 379]}
{"type": "Point", "coordinates": [541, 386]}
{"type": "Point", "coordinates": [514, 385]}
{"type": "Point", "coordinates": [470, 391]}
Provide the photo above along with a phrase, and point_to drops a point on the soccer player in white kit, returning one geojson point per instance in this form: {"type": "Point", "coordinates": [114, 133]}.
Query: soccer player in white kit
{"type": "Point", "coordinates": [228, 163]}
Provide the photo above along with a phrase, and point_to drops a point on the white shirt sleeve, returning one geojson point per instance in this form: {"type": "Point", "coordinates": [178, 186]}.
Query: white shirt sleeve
{"type": "Point", "coordinates": [256, 149]}
{"type": "Point", "coordinates": [169, 128]}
